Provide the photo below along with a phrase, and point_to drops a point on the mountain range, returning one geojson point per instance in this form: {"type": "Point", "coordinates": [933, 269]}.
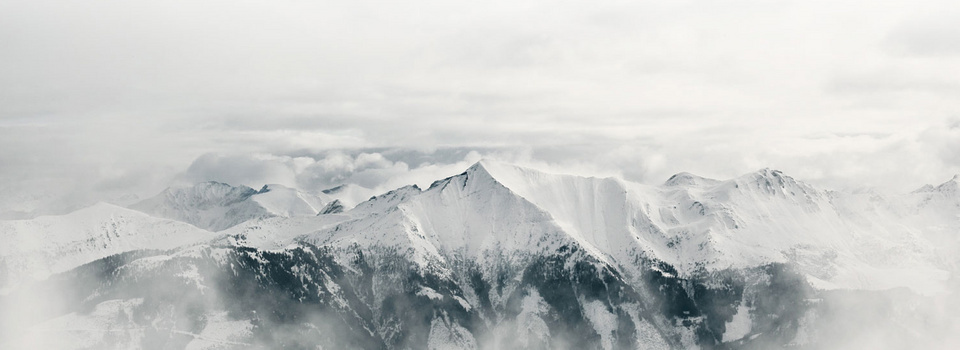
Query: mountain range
{"type": "Point", "coordinates": [497, 257]}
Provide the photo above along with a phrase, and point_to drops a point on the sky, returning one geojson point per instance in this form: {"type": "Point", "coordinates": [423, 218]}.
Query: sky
{"type": "Point", "coordinates": [115, 100]}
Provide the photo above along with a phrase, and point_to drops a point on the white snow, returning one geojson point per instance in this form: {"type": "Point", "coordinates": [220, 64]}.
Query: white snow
{"type": "Point", "coordinates": [840, 240]}
{"type": "Point", "coordinates": [284, 201]}
{"type": "Point", "coordinates": [463, 302]}
{"type": "Point", "coordinates": [430, 293]}
{"type": "Point", "coordinates": [49, 244]}
{"type": "Point", "coordinates": [217, 206]}
{"type": "Point", "coordinates": [861, 240]}
{"type": "Point", "coordinates": [349, 194]}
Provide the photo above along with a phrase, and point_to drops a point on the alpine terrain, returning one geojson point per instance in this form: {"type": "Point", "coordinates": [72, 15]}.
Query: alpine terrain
{"type": "Point", "coordinates": [497, 257]}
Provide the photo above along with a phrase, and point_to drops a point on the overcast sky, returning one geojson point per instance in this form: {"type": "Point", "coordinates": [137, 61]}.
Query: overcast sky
{"type": "Point", "coordinates": [103, 98]}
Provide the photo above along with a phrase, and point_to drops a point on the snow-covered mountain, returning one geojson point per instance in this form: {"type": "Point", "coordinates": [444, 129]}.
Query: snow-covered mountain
{"type": "Point", "coordinates": [694, 224]}
{"type": "Point", "coordinates": [216, 206]}
{"type": "Point", "coordinates": [349, 195]}
{"type": "Point", "coordinates": [502, 256]}
{"type": "Point", "coordinates": [283, 201]}
{"type": "Point", "coordinates": [36, 248]}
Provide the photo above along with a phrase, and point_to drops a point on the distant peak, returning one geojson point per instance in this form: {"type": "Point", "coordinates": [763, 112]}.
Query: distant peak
{"type": "Point", "coordinates": [103, 206]}
{"type": "Point", "coordinates": [687, 179]}
{"type": "Point", "coordinates": [271, 187]}
{"type": "Point", "coordinates": [950, 186]}
{"type": "Point", "coordinates": [925, 188]}
{"type": "Point", "coordinates": [768, 173]}
{"type": "Point", "coordinates": [386, 200]}
{"type": "Point", "coordinates": [773, 181]}
{"type": "Point", "coordinates": [212, 184]}
{"type": "Point", "coordinates": [208, 185]}
{"type": "Point", "coordinates": [405, 191]}
{"type": "Point", "coordinates": [334, 207]}
{"type": "Point", "coordinates": [199, 195]}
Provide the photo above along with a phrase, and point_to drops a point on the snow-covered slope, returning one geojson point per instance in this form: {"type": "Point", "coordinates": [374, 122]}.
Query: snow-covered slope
{"type": "Point", "coordinates": [502, 256]}
{"type": "Point", "coordinates": [209, 205]}
{"type": "Point", "coordinates": [839, 240]}
{"type": "Point", "coordinates": [216, 206]}
{"type": "Point", "coordinates": [44, 245]}
{"type": "Point", "coordinates": [935, 213]}
{"type": "Point", "coordinates": [694, 224]}
{"type": "Point", "coordinates": [349, 195]}
{"type": "Point", "coordinates": [284, 201]}
{"type": "Point", "coordinates": [468, 215]}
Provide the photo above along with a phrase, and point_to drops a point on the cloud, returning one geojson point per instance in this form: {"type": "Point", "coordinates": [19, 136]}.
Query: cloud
{"type": "Point", "coordinates": [128, 96]}
{"type": "Point", "coordinates": [250, 170]}
{"type": "Point", "coordinates": [944, 142]}
{"type": "Point", "coordinates": [934, 34]}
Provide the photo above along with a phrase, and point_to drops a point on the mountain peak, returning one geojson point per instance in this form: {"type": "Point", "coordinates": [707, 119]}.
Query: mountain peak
{"type": "Point", "coordinates": [476, 171]}
{"type": "Point", "coordinates": [480, 167]}
{"type": "Point", "coordinates": [950, 186]}
{"type": "Point", "coordinates": [769, 174]}
{"type": "Point", "coordinates": [495, 170]}
{"type": "Point", "coordinates": [207, 192]}
{"type": "Point", "coordinates": [925, 188]}
{"type": "Point", "coordinates": [688, 179]}
{"type": "Point", "coordinates": [334, 207]}
{"type": "Point", "coordinates": [217, 206]}
{"type": "Point", "coordinates": [773, 181]}
{"type": "Point", "coordinates": [271, 187]}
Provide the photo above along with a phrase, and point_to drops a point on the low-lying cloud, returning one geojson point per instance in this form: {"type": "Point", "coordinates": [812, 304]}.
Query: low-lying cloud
{"type": "Point", "coordinates": [118, 99]}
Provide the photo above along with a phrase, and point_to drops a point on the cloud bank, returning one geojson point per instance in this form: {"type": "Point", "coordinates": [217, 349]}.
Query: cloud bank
{"type": "Point", "coordinates": [107, 100]}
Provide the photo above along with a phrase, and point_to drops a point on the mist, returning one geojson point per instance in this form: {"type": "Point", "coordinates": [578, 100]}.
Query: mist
{"type": "Point", "coordinates": [803, 157]}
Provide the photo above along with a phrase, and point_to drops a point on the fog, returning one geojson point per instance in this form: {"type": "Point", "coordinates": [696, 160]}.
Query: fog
{"type": "Point", "coordinates": [114, 101]}
{"type": "Point", "coordinates": [219, 297]}
{"type": "Point", "coordinates": [111, 99]}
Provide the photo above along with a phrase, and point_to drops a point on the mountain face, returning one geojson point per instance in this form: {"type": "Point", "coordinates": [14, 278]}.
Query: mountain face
{"type": "Point", "coordinates": [503, 257]}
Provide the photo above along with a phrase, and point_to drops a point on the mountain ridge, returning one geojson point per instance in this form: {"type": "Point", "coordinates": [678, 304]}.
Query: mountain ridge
{"type": "Point", "coordinates": [502, 256]}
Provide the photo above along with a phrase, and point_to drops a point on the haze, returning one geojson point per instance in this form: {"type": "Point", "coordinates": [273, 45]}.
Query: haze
{"type": "Point", "coordinates": [108, 100]}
